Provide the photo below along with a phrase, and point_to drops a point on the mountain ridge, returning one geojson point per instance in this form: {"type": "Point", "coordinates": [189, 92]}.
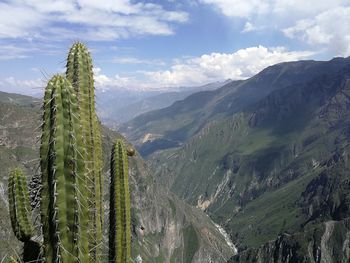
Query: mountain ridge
{"type": "Point", "coordinates": [263, 170]}
{"type": "Point", "coordinates": [178, 122]}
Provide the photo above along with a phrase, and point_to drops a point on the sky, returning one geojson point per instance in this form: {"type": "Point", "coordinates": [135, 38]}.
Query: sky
{"type": "Point", "coordinates": [146, 45]}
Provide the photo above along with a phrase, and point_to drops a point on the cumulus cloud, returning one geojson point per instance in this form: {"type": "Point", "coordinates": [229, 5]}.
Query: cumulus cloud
{"type": "Point", "coordinates": [329, 28]}
{"type": "Point", "coordinates": [274, 8]}
{"type": "Point", "coordinates": [241, 64]}
{"type": "Point", "coordinates": [104, 82]}
{"type": "Point", "coordinates": [85, 19]}
{"type": "Point", "coordinates": [31, 87]}
{"type": "Point", "coordinates": [322, 23]}
{"type": "Point", "coordinates": [207, 68]}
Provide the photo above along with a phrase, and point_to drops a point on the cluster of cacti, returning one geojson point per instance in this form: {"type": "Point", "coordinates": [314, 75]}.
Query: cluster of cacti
{"type": "Point", "coordinates": [71, 202]}
{"type": "Point", "coordinates": [119, 214]}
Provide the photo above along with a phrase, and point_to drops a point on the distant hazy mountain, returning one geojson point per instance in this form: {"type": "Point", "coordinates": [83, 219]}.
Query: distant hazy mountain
{"type": "Point", "coordinates": [119, 106]}
{"type": "Point", "coordinates": [268, 158]}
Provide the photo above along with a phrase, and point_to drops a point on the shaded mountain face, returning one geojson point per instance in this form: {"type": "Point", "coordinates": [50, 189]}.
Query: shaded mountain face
{"type": "Point", "coordinates": [164, 228]}
{"type": "Point", "coordinates": [174, 125]}
{"type": "Point", "coordinates": [279, 165]}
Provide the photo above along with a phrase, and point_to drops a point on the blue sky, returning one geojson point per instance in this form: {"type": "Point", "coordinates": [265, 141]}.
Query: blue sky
{"type": "Point", "coordinates": [165, 44]}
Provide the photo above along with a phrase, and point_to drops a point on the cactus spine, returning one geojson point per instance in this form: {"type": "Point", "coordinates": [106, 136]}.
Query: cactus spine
{"type": "Point", "coordinates": [63, 190]}
{"type": "Point", "coordinates": [119, 217]}
{"type": "Point", "coordinates": [19, 205]}
{"type": "Point", "coordinates": [79, 73]}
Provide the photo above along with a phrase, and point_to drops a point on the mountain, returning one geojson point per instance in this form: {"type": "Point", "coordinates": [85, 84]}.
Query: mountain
{"type": "Point", "coordinates": [174, 125]}
{"type": "Point", "coordinates": [273, 168]}
{"type": "Point", "coordinates": [164, 228]}
{"type": "Point", "coordinates": [119, 106]}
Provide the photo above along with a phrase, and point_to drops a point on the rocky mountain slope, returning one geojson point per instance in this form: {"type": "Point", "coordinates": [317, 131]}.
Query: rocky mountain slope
{"type": "Point", "coordinates": [174, 125]}
{"type": "Point", "coordinates": [165, 229]}
{"type": "Point", "coordinates": [275, 173]}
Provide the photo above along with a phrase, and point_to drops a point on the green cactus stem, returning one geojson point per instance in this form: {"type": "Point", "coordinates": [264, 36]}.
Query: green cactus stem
{"type": "Point", "coordinates": [119, 217]}
{"type": "Point", "coordinates": [79, 73]}
{"type": "Point", "coordinates": [12, 259]}
{"type": "Point", "coordinates": [63, 202]}
{"type": "Point", "coordinates": [19, 206]}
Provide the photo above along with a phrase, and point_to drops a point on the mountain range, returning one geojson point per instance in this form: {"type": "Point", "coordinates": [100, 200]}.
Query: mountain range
{"type": "Point", "coordinates": [267, 158]}
{"type": "Point", "coordinates": [117, 106]}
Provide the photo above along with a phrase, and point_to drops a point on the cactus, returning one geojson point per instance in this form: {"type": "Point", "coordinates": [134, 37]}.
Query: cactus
{"type": "Point", "coordinates": [119, 217]}
{"type": "Point", "coordinates": [71, 177]}
{"type": "Point", "coordinates": [63, 200]}
{"type": "Point", "coordinates": [79, 73]}
{"type": "Point", "coordinates": [11, 259]}
{"type": "Point", "coordinates": [19, 206]}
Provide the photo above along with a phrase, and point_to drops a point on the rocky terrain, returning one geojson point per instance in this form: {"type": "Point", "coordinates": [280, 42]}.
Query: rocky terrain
{"type": "Point", "coordinates": [268, 160]}
{"type": "Point", "coordinates": [164, 228]}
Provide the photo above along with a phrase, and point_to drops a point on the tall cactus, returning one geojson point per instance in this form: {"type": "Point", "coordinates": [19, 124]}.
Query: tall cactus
{"type": "Point", "coordinates": [19, 205]}
{"type": "Point", "coordinates": [63, 201]}
{"type": "Point", "coordinates": [79, 73]}
{"type": "Point", "coordinates": [119, 217]}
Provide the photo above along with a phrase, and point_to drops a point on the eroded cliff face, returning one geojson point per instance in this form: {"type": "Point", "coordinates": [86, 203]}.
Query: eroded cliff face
{"type": "Point", "coordinates": [166, 229]}
{"type": "Point", "coordinates": [328, 242]}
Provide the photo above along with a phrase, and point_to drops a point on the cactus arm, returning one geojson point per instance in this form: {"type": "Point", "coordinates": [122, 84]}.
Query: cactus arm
{"type": "Point", "coordinates": [19, 206]}
{"type": "Point", "coordinates": [120, 226]}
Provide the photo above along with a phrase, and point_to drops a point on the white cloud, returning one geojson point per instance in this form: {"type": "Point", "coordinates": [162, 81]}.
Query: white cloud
{"type": "Point", "coordinates": [12, 52]}
{"type": "Point", "coordinates": [241, 64]}
{"type": "Point", "coordinates": [137, 61]}
{"type": "Point", "coordinates": [239, 8]}
{"type": "Point", "coordinates": [85, 19]}
{"type": "Point", "coordinates": [104, 82]}
{"type": "Point", "coordinates": [273, 9]}
{"type": "Point", "coordinates": [248, 27]}
{"type": "Point", "coordinates": [323, 24]}
{"type": "Point", "coordinates": [329, 28]}
{"type": "Point", "coordinates": [31, 87]}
